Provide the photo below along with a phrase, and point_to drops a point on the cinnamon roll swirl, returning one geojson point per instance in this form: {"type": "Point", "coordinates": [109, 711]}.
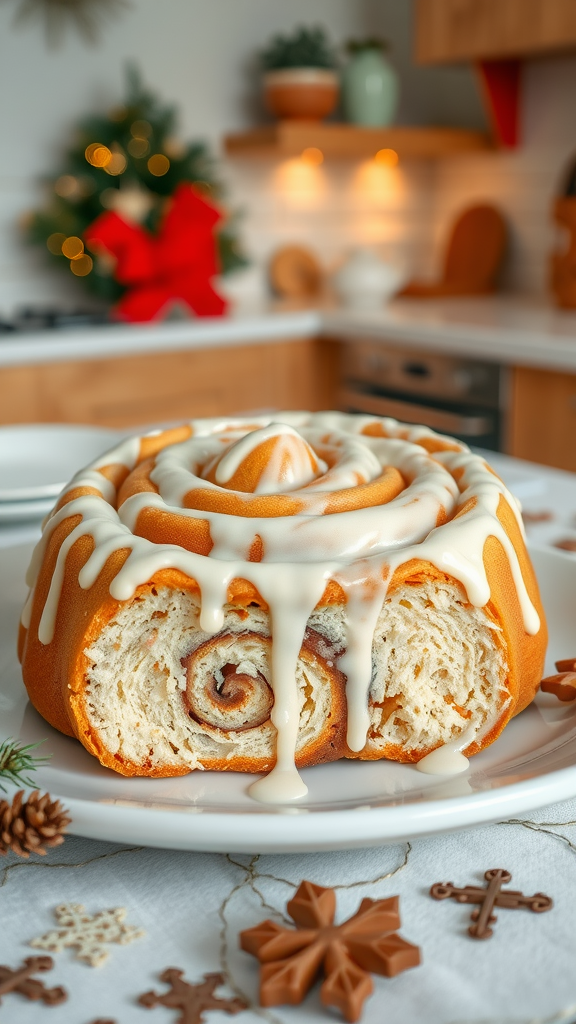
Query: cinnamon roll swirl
{"type": "Point", "coordinates": [262, 595]}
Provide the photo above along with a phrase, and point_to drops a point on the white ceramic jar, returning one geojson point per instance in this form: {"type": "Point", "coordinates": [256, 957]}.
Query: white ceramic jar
{"type": "Point", "coordinates": [365, 281]}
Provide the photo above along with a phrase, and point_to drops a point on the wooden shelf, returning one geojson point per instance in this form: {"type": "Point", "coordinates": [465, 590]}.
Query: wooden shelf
{"type": "Point", "coordinates": [290, 138]}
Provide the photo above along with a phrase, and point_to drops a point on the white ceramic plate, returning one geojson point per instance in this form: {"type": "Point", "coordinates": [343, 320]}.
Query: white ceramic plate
{"type": "Point", "coordinates": [37, 460]}
{"type": "Point", "coordinates": [349, 804]}
{"type": "Point", "coordinates": [24, 511]}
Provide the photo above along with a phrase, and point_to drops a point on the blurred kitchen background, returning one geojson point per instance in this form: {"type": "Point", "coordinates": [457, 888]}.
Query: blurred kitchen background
{"type": "Point", "coordinates": [394, 182]}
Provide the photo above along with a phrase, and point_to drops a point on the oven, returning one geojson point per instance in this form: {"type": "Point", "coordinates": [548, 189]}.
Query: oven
{"type": "Point", "coordinates": [451, 394]}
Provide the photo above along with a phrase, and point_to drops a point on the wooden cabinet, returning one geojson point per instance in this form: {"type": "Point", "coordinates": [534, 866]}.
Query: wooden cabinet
{"type": "Point", "coordinates": [458, 30]}
{"type": "Point", "coordinates": [133, 390]}
{"type": "Point", "coordinates": [543, 417]}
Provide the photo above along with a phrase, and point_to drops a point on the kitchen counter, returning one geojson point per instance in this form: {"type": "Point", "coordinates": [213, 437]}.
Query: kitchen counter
{"type": "Point", "coordinates": [507, 330]}
{"type": "Point", "coordinates": [504, 329]}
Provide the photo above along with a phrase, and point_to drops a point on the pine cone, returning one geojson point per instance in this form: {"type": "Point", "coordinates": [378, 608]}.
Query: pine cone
{"type": "Point", "coordinates": [29, 826]}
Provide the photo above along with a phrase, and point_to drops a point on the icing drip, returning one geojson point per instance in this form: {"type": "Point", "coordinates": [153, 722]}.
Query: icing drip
{"type": "Point", "coordinates": [364, 596]}
{"type": "Point", "coordinates": [359, 548]}
{"type": "Point", "coordinates": [448, 759]}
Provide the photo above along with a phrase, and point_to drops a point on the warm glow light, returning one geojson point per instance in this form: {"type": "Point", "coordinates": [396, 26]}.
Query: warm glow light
{"type": "Point", "coordinates": [174, 147]}
{"type": "Point", "coordinates": [141, 129]}
{"type": "Point", "coordinates": [138, 148]}
{"type": "Point", "coordinates": [97, 154]}
{"type": "Point", "coordinates": [313, 155]}
{"type": "Point", "coordinates": [116, 164]}
{"type": "Point", "coordinates": [302, 184]}
{"type": "Point", "coordinates": [54, 243]}
{"type": "Point", "coordinates": [66, 185]}
{"type": "Point", "coordinates": [108, 198]}
{"type": "Point", "coordinates": [82, 265]}
{"type": "Point", "coordinates": [73, 247]}
{"type": "Point", "coordinates": [158, 165]}
{"type": "Point", "coordinates": [387, 157]}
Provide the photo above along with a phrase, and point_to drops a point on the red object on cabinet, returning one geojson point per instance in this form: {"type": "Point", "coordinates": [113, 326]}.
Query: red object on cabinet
{"type": "Point", "coordinates": [501, 85]}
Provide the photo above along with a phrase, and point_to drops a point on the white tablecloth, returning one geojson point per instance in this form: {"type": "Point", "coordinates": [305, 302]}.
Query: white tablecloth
{"type": "Point", "coordinates": [193, 906]}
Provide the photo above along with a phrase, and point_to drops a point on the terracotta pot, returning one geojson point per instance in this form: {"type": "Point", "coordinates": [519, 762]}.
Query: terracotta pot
{"type": "Point", "coordinates": [305, 94]}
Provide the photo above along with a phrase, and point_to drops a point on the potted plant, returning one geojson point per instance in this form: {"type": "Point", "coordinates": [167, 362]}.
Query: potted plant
{"type": "Point", "coordinates": [369, 84]}
{"type": "Point", "coordinates": [300, 80]}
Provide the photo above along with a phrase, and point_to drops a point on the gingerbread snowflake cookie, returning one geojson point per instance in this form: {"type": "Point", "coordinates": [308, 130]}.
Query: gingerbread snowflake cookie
{"type": "Point", "coordinates": [365, 944]}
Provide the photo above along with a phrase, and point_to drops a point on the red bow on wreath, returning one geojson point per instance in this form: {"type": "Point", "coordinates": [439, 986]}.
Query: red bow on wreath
{"type": "Point", "coordinates": [176, 265]}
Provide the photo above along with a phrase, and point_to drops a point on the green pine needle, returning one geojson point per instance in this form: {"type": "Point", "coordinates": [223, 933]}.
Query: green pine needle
{"type": "Point", "coordinates": [16, 761]}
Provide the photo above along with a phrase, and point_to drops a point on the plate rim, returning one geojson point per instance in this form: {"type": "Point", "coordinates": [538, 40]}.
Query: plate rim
{"type": "Point", "coordinates": [62, 430]}
{"type": "Point", "coordinates": [290, 829]}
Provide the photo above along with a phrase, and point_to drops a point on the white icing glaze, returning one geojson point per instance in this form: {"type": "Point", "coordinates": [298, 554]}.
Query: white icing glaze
{"type": "Point", "coordinates": [293, 463]}
{"type": "Point", "coordinates": [448, 759]}
{"type": "Point", "coordinates": [360, 549]}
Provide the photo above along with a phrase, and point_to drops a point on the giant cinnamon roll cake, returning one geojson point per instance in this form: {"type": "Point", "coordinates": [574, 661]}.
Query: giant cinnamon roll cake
{"type": "Point", "coordinates": [261, 595]}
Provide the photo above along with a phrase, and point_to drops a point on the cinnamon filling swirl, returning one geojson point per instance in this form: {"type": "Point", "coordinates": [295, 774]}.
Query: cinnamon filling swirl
{"type": "Point", "coordinates": [227, 685]}
{"type": "Point", "coordinates": [227, 682]}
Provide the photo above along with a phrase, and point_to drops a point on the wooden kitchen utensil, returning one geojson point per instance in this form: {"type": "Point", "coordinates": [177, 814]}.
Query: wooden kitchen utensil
{"type": "Point", "coordinates": [295, 272]}
{"type": "Point", "coordinates": [473, 256]}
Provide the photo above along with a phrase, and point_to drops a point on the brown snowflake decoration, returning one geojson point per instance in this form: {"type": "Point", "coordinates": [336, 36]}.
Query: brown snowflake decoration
{"type": "Point", "coordinates": [86, 16]}
{"type": "Point", "coordinates": [366, 943]}
{"type": "Point", "coordinates": [194, 1000]}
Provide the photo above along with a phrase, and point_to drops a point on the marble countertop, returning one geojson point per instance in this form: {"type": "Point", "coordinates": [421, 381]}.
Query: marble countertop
{"type": "Point", "coordinates": [511, 330]}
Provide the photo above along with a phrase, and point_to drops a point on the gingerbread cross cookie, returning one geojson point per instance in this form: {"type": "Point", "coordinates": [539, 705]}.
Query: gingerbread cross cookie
{"type": "Point", "coordinates": [22, 981]}
{"type": "Point", "coordinates": [488, 897]}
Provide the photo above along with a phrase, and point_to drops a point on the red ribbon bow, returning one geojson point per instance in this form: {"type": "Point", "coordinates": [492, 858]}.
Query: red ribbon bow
{"type": "Point", "coordinates": [176, 265]}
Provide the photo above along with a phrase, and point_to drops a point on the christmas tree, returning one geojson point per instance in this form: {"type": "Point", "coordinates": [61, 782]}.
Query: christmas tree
{"type": "Point", "coordinates": [130, 161]}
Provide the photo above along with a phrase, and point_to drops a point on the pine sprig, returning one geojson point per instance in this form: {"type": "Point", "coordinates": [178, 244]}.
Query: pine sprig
{"type": "Point", "coordinates": [16, 762]}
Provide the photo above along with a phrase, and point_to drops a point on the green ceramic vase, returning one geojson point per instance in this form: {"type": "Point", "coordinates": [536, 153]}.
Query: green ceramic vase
{"type": "Point", "coordinates": [370, 88]}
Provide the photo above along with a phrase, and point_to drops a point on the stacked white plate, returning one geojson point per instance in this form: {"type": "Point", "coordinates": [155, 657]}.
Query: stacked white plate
{"type": "Point", "coordinates": [37, 460]}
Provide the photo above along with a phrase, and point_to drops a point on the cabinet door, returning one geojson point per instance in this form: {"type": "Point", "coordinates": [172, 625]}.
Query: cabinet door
{"type": "Point", "coordinates": [457, 30]}
{"type": "Point", "coordinates": [131, 390]}
{"type": "Point", "coordinates": [543, 417]}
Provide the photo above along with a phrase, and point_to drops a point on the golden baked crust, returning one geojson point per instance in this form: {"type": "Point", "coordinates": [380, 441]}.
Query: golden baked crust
{"type": "Point", "coordinates": [55, 672]}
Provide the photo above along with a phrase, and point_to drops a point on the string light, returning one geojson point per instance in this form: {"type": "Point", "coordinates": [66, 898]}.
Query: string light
{"type": "Point", "coordinates": [158, 165]}
{"type": "Point", "coordinates": [66, 185]}
{"type": "Point", "coordinates": [97, 154]}
{"type": "Point", "coordinates": [72, 247]}
{"type": "Point", "coordinates": [54, 243]}
{"type": "Point", "coordinates": [117, 163]}
{"type": "Point", "coordinates": [82, 265]}
{"type": "Point", "coordinates": [108, 198]}
{"type": "Point", "coordinates": [387, 157]}
{"type": "Point", "coordinates": [141, 129]}
{"type": "Point", "coordinates": [174, 147]}
{"type": "Point", "coordinates": [313, 155]}
{"type": "Point", "coordinates": [138, 148]}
